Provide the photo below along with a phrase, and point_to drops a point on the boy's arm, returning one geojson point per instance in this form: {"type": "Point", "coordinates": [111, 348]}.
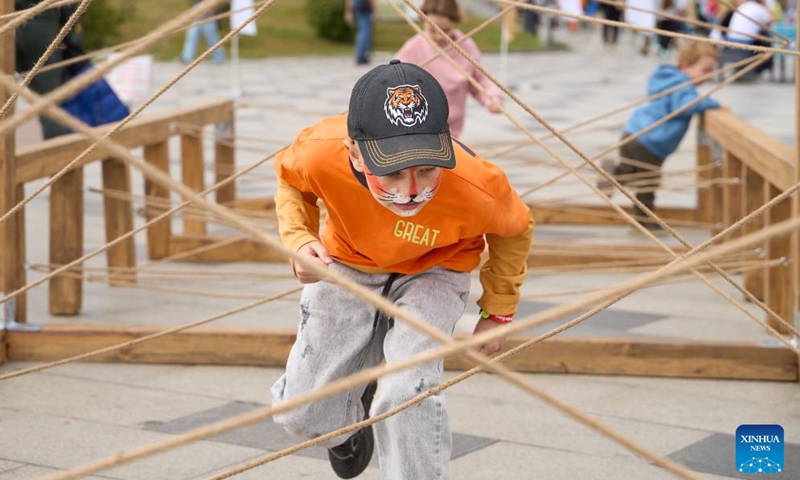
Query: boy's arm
{"type": "Point", "coordinates": [686, 96]}
{"type": "Point", "coordinates": [503, 274]}
{"type": "Point", "coordinates": [298, 215]}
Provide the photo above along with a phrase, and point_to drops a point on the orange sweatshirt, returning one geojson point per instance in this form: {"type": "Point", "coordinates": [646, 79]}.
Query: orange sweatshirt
{"type": "Point", "coordinates": [474, 201]}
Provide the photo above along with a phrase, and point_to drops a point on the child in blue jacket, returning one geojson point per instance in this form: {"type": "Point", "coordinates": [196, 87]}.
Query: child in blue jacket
{"type": "Point", "coordinates": [641, 159]}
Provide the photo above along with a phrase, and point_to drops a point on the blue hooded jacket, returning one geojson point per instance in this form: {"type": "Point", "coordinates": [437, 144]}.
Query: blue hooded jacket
{"type": "Point", "coordinates": [663, 140]}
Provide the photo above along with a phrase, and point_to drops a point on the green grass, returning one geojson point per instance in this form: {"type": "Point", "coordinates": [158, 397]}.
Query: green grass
{"type": "Point", "coordinates": [284, 31]}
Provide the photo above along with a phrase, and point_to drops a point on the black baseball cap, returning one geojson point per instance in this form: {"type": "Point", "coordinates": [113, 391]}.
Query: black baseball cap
{"type": "Point", "coordinates": [398, 115]}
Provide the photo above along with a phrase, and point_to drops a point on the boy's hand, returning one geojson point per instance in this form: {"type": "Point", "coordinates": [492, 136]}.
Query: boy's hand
{"type": "Point", "coordinates": [317, 251]}
{"type": "Point", "coordinates": [493, 346]}
{"type": "Point", "coordinates": [724, 108]}
{"type": "Point", "coordinates": [493, 108]}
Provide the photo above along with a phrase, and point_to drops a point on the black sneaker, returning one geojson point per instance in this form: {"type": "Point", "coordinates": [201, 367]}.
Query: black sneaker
{"type": "Point", "coordinates": [352, 457]}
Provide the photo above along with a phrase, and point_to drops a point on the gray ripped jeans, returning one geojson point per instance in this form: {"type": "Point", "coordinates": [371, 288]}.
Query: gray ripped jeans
{"type": "Point", "coordinates": [336, 338]}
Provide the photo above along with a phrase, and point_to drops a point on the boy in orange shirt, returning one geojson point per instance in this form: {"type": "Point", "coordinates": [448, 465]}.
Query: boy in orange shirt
{"type": "Point", "coordinates": [409, 212]}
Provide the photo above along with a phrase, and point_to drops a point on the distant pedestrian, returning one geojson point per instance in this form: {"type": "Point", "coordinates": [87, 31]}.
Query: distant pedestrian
{"type": "Point", "coordinates": [209, 29]}
{"type": "Point", "coordinates": [614, 14]}
{"type": "Point", "coordinates": [362, 14]}
{"type": "Point", "coordinates": [32, 40]}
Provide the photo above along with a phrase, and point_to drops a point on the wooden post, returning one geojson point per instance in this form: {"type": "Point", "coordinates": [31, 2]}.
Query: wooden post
{"type": "Point", "coordinates": [11, 259]}
{"type": "Point", "coordinates": [192, 171]}
{"type": "Point", "coordinates": [753, 198]}
{"type": "Point", "coordinates": [224, 164]}
{"type": "Point", "coordinates": [119, 220]}
{"type": "Point", "coordinates": [731, 191]}
{"type": "Point", "coordinates": [66, 241]}
{"type": "Point", "coordinates": [707, 198]}
{"type": "Point", "coordinates": [780, 295]}
{"type": "Point", "coordinates": [160, 233]}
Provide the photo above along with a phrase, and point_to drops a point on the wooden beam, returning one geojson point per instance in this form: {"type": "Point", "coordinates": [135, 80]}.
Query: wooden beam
{"type": "Point", "coordinates": [159, 233]}
{"type": "Point", "coordinates": [10, 258]}
{"type": "Point", "coordinates": [47, 158]}
{"type": "Point", "coordinates": [225, 160]}
{"type": "Point", "coordinates": [242, 251]}
{"type": "Point", "coordinates": [250, 346]}
{"type": "Point", "coordinates": [707, 204]}
{"type": "Point", "coordinates": [192, 172]}
{"type": "Point", "coordinates": [66, 241]}
{"type": "Point", "coordinates": [753, 198]}
{"type": "Point", "coordinates": [21, 300]}
{"type": "Point", "coordinates": [572, 214]}
{"type": "Point", "coordinates": [779, 294]}
{"type": "Point", "coordinates": [731, 191]}
{"type": "Point", "coordinates": [766, 155]}
{"type": "Point", "coordinates": [599, 214]}
{"type": "Point", "coordinates": [119, 219]}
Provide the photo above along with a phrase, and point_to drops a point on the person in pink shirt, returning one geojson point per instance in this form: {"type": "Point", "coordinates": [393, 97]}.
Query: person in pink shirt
{"type": "Point", "coordinates": [418, 49]}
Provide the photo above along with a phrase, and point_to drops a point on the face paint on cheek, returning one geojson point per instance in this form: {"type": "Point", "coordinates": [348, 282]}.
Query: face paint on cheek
{"type": "Point", "coordinates": [377, 188]}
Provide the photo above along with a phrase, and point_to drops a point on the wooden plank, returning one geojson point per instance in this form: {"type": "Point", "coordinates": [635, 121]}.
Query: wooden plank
{"type": "Point", "coordinates": [118, 219]}
{"type": "Point", "coordinates": [47, 158]}
{"type": "Point", "coordinates": [250, 346]}
{"type": "Point", "coordinates": [572, 214]}
{"type": "Point", "coordinates": [707, 207]}
{"type": "Point", "coordinates": [66, 241]}
{"type": "Point", "coordinates": [544, 255]}
{"type": "Point", "coordinates": [21, 300]}
{"type": "Point", "coordinates": [780, 296]}
{"type": "Point", "coordinates": [192, 172]}
{"type": "Point", "coordinates": [10, 258]}
{"type": "Point", "coordinates": [731, 191]}
{"type": "Point", "coordinates": [225, 160]}
{"type": "Point", "coordinates": [598, 214]}
{"type": "Point", "coordinates": [243, 251]}
{"type": "Point", "coordinates": [753, 194]}
{"type": "Point", "coordinates": [766, 155]}
{"type": "Point", "coordinates": [159, 233]}
{"type": "Point", "coordinates": [253, 203]}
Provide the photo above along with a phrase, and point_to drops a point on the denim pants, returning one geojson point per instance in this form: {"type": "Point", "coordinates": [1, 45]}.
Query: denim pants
{"type": "Point", "coordinates": [336, 338]}
{"type": "Point", "coordinates": [363, 35]}
{"type": "Point", "coordinates": [210, 32]}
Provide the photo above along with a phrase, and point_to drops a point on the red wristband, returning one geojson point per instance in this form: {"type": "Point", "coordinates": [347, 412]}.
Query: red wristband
{"type": "Point", "coordinates": [497, 318]}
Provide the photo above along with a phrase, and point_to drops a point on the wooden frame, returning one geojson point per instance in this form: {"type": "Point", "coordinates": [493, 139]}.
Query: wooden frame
{"type": "Point", "coordinates": [270, 347]}
{"type": "Point", "coordinates": [670, 357]}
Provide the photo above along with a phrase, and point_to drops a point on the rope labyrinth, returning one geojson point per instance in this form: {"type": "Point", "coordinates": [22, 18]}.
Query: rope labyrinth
{"type": "Point", "coordinates": [607, 296]}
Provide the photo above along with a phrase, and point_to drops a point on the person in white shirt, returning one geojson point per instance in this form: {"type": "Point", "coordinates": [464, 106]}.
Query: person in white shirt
{"type": "Point", "coordinates": [747, 21]}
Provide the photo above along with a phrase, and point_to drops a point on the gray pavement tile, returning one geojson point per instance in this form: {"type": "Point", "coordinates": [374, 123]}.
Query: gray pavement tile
{"type": "Point", "coordinates": [267, 435]}
{"type": "Point", "coordinates": [511, 460]}
{"type": "Point", "coordinates": [94, 401]}
{"type": "Point", "coordinates": [716, 454]}
{"type": "Point", "coordinates": [614, 322]}
{"type": "Point", "coordinates": [27, 472]}
{"type": "Point", "coordinates": [57, 442]}
{"type": "Point", "coordinates": [6, 465]}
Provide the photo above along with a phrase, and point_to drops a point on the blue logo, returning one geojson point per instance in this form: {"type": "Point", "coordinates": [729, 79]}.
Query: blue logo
{"type": "Point", "coordinates": [759, 449]}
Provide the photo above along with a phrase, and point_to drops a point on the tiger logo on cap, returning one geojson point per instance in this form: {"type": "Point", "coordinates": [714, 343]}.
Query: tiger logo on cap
{"type": "Point", "coordinates": [405, 105]}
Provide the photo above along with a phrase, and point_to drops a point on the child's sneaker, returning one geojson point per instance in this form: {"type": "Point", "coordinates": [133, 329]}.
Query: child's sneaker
{"type": "Point", "coordinates": [352, 457]}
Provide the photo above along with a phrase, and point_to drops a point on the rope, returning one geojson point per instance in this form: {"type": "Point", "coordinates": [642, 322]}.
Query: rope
{"type": "Point", "coordinates": [147, 338]}
{"type": "Point", "coordinates": [608, 177]}
{"type": "Point", "coordinates": [368, 375]}
{"type": "Point", "coordinates": [79, 83]}
{"type": "Point", "coordinates": [46, 55]}
{"type": "Point", "coordinates": [752, 62]}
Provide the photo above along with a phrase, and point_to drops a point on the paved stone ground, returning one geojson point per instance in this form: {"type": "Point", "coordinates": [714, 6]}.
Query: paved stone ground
{"type": "Point", "coordinates": [74, 414]}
